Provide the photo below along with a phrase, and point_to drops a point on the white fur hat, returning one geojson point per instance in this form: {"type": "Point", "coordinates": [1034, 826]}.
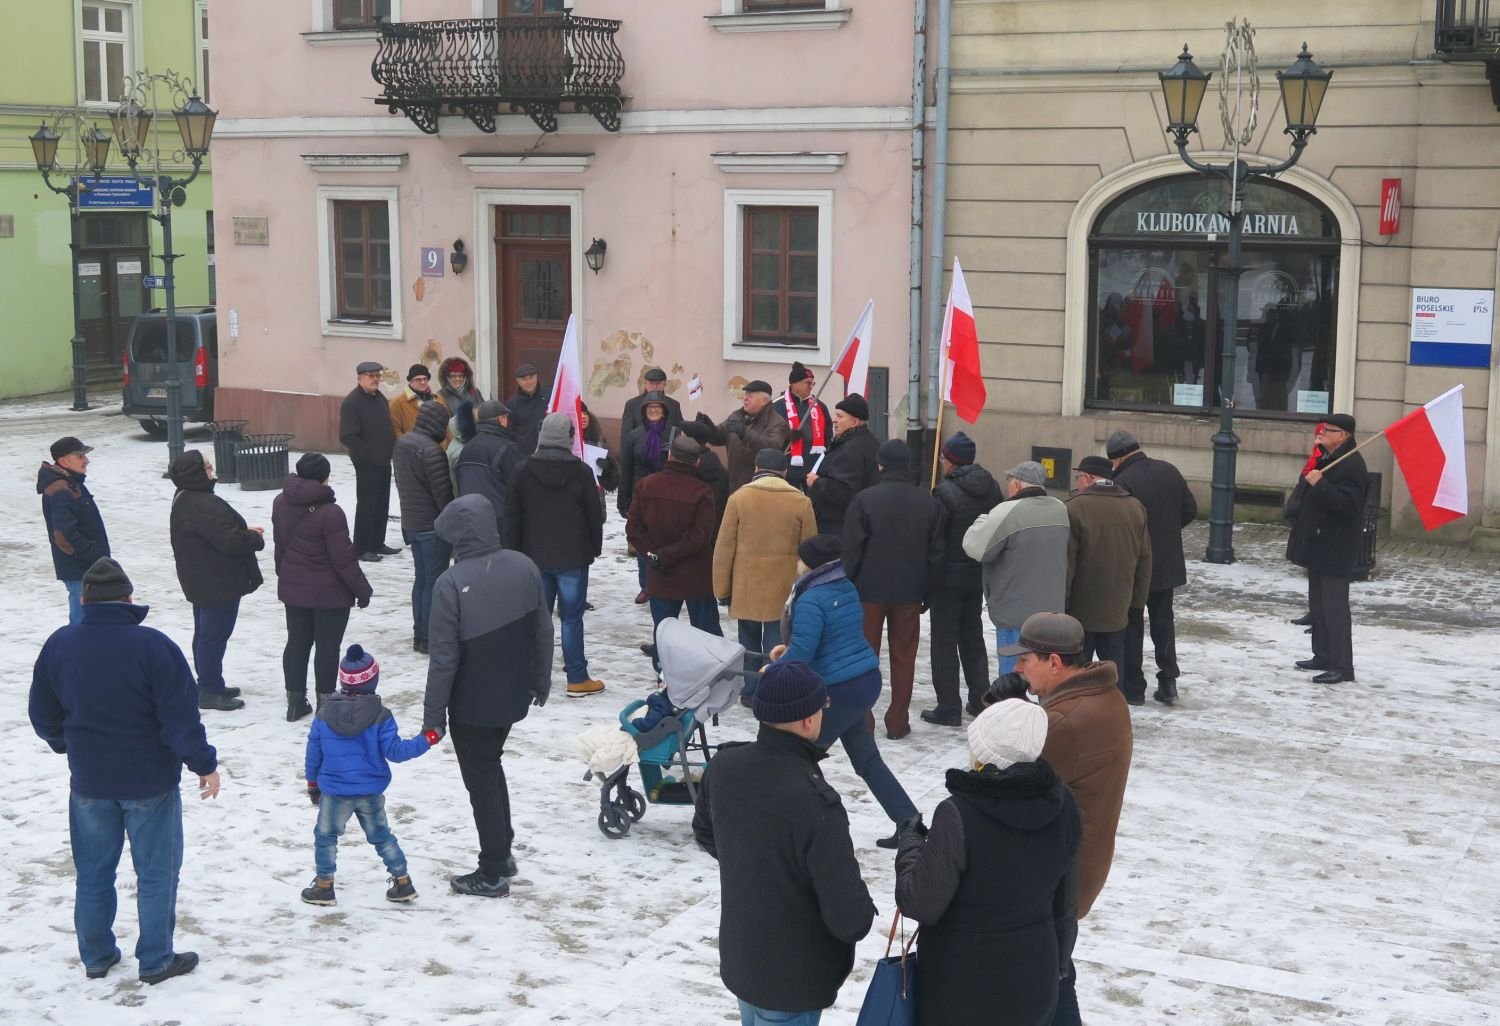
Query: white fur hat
{"type": "Point", "coordinates": [1008, 732]}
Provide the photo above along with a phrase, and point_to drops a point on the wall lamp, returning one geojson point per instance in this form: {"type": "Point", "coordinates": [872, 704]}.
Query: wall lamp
{"type": "Point", "coordinates": [458, 259]}
{"type": "Point", "coordinates": [594, 255]}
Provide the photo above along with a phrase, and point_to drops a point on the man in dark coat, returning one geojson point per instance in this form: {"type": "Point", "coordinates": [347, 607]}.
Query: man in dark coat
{"type": "Point", "coordinates": [710, 468]}
{"type": "Point", "coordinates": [893, 552]}
{"type": "Point", "coordinates": [215, 554]}
{"type": "Point", "coordinates": [809, 424]}
{"type": "Point", "coordinates": [553, 515]}
{"type": "Point", "coordinates": [425, 488]}
{"type": "Point", "coordinates": [528, 405]}
{"type": "Point", "coordinates": [748, 430]}
{"type": "Point", "coordinates": [489, 460]}
{"type": "Point", "coordinates": [490, 660]}
{"type": "Point", "coordinates": [654, 380]}
{"type": "Point", "coordinates": [1326, 540]}
{"type": "Point", "coordinates": [1170, 507]}
{"type": "Point", "coordinates": [118, 699]}
{"type": "Point", "coordinates": [966, 492]}
{"type": "Point", "coordinates": [793, 901]}
{"type": "Point", "coordinates": [849, 466]}
{"type": "Point", "coordinates": [75, 530]}
{"type": "Point", "coordinates": [368, 436]}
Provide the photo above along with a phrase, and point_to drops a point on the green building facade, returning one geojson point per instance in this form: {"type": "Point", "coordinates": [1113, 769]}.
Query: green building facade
{"type": "Point", "coordinates": [81, 53]}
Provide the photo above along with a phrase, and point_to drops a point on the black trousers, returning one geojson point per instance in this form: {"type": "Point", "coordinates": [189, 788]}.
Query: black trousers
{"type": "Point", "coordinates": [307, 629]}
{"type": "Point", "coordinates": [372, 505]}
{"type": "Point", "coordinates": [480, 751]}
{"type": "Point", "coordinates": [1332, 624]}
{"type": "Point", "coordinates": [1163, 641]}
{"type": "Point", "coordinates": [1108, 646]}
{"type": "Point", "coordinates": [958, 640]}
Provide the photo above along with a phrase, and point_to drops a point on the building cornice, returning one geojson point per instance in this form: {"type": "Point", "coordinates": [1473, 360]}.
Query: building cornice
{"type": "Point", "coordinates": [779, 163]}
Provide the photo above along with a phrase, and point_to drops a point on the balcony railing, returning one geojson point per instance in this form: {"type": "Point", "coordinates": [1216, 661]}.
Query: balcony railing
{"type": "Point", "coordinates": [1468, 29]}
{"type": "Point", "coordinates": [478, 67]}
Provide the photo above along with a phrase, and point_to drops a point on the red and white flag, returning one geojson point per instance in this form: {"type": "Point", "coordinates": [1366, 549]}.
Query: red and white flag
{"type": "Point", "coordinates": [961, 348]}
{"type": "Point", "coordinates": [1429, 446]}
{"type": "Point", "coordinates": [853, 363]}
{"type": "Point", "coordinates": [567, 385]}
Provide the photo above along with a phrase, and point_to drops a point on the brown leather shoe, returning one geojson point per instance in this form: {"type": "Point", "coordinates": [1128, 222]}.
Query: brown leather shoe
{"type": "Point", "coordinates": [642, 598]}
{"type": "Point", "coordinates": [898, 733]}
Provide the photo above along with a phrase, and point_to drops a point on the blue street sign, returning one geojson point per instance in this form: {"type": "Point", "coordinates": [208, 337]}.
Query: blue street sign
{"type": "Point", "coordinates": [114, 192]}
{"type": "Point", "coordinates": [156, 281]}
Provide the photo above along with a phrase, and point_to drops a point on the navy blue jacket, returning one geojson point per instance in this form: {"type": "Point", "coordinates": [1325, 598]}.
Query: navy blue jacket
{"type": "Point", "coordinates": [351, 743]}
{"type": "Point", "coordinates": [827, 626]}
{"type": "Point", "coordinates": [119, 700]}
{"type": "Point", "coordinates": [74, 526]}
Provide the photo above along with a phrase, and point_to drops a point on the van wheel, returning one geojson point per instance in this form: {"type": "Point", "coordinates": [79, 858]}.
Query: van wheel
{"type": "Point", "coordinates": [155, 428]}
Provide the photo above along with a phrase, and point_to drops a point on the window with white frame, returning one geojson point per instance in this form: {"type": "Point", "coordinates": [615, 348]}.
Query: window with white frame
{"type": "Point", "coordinates": [106, 50]}
{"type": "Point", "coordinates": [779, 15]}
{"type": "Point", "coordinates": [358, 17]}
{"type": "Point", "coordinates": [359, 261]}
{"type": "Point", "coordinates": [778, 264]}
{"type": "Point", "coordinates": [201, 17]}
{"type": "Point", "coordinates": [758, 6]}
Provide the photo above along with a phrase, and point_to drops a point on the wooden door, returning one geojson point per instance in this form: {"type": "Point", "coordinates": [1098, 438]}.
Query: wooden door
{"type": "Point", "coordinates": [534, 261]}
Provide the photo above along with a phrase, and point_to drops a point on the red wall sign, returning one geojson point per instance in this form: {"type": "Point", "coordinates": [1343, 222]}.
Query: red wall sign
{"type": "Point", "coordinates": [1390, 206]}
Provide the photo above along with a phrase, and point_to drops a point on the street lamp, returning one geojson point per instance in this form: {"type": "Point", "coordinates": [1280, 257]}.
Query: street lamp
{"type": "Point", "coordinates": [133, 125]}
{"type": "Point", "coordinates": [1303, 86]}
{"type": "Point", "coordinates": [91, 153]}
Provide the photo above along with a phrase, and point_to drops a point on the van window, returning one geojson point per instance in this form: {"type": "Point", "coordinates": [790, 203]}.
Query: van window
{"type": "Point", "coordinates": [150, 342]}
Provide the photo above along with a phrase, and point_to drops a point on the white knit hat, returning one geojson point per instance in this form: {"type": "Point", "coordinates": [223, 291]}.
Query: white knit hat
{"type": "Point", "coordinates": [1008, 732]}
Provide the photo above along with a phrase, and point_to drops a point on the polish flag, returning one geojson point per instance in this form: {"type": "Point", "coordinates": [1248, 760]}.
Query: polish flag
{"type": "Point", "coordinates": [1429, 446]}
{"type": "Point", "coordinates": [853, 363]}
{"type": "Point", "coordinates": [567, 385]}
{"type": "Point", "coordinates": [961, 347]}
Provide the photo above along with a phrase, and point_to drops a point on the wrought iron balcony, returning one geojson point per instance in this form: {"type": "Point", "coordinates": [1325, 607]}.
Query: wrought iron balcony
{"type": "Point", "coordinates": [1469, 30]}
{"type": "Point", "coordinates": [480, 67]}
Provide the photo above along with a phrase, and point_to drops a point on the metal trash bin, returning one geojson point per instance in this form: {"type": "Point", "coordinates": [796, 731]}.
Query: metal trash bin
{"type": "Point", "coordinates": [227, 435]}
{"type": "Point", "coordinates": [1370, 524]}
{"type": "Point", "coordinates": [263, 461]}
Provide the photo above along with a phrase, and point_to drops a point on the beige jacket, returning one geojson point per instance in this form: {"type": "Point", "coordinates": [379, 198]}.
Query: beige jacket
{"type": "Point", "coordinates": [755, 558]}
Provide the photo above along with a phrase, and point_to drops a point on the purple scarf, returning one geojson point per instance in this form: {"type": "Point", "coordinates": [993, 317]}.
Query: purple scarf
{"type": "Point", "coordinates": [651, 450]}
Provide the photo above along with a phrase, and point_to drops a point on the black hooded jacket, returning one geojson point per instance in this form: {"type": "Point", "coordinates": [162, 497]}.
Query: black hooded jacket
{"type": "Point", "coordinates": [848, 469]}
{"type": "Point", "coordinates": [422, 480]}
{"type": "Point", "coordinates": [487, 463]}
{"type": "Point", "coordinates": [213, 548]}
{"type": "Point", "coordinates": [552, 511]}
{"type": "Point", "coordinates": [968, 492]}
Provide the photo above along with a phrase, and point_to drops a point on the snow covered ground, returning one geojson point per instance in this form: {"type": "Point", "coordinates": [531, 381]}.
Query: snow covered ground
{"type": "Point", "coordinates": [1287, 854]}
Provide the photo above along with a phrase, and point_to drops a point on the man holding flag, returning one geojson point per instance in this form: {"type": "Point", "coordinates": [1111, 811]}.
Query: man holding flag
{"type": "Point", "coordinates": [809, 426]}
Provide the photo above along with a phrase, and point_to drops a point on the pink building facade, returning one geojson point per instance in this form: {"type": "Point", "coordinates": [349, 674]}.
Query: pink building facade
{"type": "Point", "coordinates": [756, 194]}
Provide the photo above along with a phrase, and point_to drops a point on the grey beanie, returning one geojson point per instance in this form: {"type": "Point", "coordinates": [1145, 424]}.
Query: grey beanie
{"type": "Point", "coordinates": [105, 581]}
{"type": "Point", "coordinates": [556, 432]}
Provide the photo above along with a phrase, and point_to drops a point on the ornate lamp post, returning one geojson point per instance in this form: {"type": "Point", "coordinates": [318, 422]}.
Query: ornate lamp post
{"type": "Point", "coordinates": [90, 153]}
{"type": "Point", "coordinates": [1303, 86]}
{"type": "Point", "coordinates": [135, 126]}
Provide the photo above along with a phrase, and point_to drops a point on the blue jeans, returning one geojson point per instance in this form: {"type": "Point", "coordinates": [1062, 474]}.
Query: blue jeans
{"type": "Point", "coordinates": [1006, 636]}
{"type": "Point", "coordinates": [569, 589]}
{"type": "Point", "coordinates": [640, 570]}
{"type": "Point", "coordinates": [752, 1016]}
{"type": "Point", "coordinates": [212, 626]}
{"type": "Point", "coordinates": [846, 720]}
{"type": "Point", "coordinates": [333, 816]}
{"type": "Point", "coordinates": [429, 556]}
{"type": "Point", "coordinates": [97, 828]}
{"type": "Point", "coordinates": [75, 600]}
{"type": "Point", "coordinates": [758, 636]}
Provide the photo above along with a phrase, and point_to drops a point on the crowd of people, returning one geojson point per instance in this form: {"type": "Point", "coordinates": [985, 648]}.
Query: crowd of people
{"type": "Point", "coordinates": [814, 536]}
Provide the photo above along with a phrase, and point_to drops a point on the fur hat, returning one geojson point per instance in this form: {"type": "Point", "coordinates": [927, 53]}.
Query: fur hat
{"type": "Point", "coordinates": [960, 449]}
{"type": "Point", "coordinates": [791, 691]}
{"type": "Point", "coordinates": [556, 432]}
{"type": "Point", "coordinates": [1008, 732]}
{"type": "Point", "coordinates": [359, 673]}
{"type": "Point", "coordinates": [105, 581]}
{"type": "Point", "coordinates": [855, 406]}
{"type": "Point", "coordinates": [314, 466]}
{"type": "Point", "coordinates": [820, 549]}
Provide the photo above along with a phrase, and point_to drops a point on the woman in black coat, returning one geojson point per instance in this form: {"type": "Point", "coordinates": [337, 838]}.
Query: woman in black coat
{"type": "Point", "coordinates": [994, 883]}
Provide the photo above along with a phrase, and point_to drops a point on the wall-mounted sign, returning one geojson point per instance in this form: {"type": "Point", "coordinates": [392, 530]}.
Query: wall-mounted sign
{"type": "Point", "coordinates": [1390, 206]}
{"type": "Point", "coordinates": [1166, 222]}
{"type": "Point", "coordinates": [1187, 395]}
{"type": "Point", "coordinates": [1312, 402]}
{"type": "Point", "coordinates": [252, 231]}
{"type": "Point", "coordinates": [89, 270]}
{"type": "Point", "coordinates": [432, 261]}
{"type": "Point", "coordinates": [124, 267]}
{"type": "Point", "coordinates": [1452, 327]}
{"type": "Point", "coordinates": [1058, 463]}
{"type": "Point", "coordinates": [114, 192]}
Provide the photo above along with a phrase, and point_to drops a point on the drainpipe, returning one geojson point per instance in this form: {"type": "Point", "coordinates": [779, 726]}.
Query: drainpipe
{"type": "Point", "coordinates": [918, 180]}
{"type": "Point", "coordinates": [935, 296]}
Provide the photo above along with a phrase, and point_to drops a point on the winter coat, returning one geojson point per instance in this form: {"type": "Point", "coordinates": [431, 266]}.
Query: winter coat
{"type": "Point", "coordinates": [632, 416]}
{"type": "Point", "coordinates": [1328, 526]}
{"type": "Point", "coordinates": [351, 743]}
{"type": "Point", "coordinates": [526, 413]}
{"type": "Point", "coordinates": [316, 565]}
{"type": "Point", "coordinates": [793, 903]}
{"type": "Point", "coordinates": [824, 626]}
{"type": "Point", "coordinates": [552, 512]}
{"type": "Point", "coordinates": [489, 634]}
{"type": "Point", "coordinates": [797, 472]}
{"type": "Point", "coordinates": [995, 887]}
{"type": "Point", "coordinates": [965, 494]}
{"type": "Point", "coordinates": [712, 473]}
{"type": "Point", "coordinates": [1022, 545]}
{"type": "Point", "coordinates": [672, 515]}
{"type": "Point", "coordinates": [75, 530]}
{"type": "Point", "coordinates": [1089, 744]}
{"type": "Point", "coordinates": [1109, 557]}
{"type": "Point", "coordinates": [453, 396]}
{"type": "Point", "coordinates": [755, 557]}
{"type": "Point", "coordinates": [486, 465]}
{"type": "Point", "coordinates": [635, 468]}
{"type": "Point", "coordinates": [365, 427]}
{"type": "Point", "coordinates": [743, 436]}
{"type": "Point", "coordinates": [404, 409]}
{"type": "Point", "coordinates": [119, 700]}
{"type": "Point", "coordinates": [421, 470]}
{"type": "Point", "coordinates": [1170, 507]}
{"type": "Point", "coordinates": [213, 548]}
{"type": "Point", "coordinates": [848, 469]}
{"type": "Point", "coordinates": [893, 541]}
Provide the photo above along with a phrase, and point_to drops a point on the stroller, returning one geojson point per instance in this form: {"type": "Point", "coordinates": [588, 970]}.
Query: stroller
{"type": "Point", "coordinates": [699, 671]}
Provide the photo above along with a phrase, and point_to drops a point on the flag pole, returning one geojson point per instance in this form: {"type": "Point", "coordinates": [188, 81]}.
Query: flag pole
{"type": "Point", "coordinates": [937, 436]}
{"type": "Point", "coordinates": [1351, 452]}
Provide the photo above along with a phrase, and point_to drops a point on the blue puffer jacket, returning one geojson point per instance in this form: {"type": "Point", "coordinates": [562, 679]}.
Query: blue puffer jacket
{"type": "Point", "coordinates": [74, 526]}
{"type": "Point", "coordinates": [352, 741]}
{"type": "Point", "coordinates": [827, 627]}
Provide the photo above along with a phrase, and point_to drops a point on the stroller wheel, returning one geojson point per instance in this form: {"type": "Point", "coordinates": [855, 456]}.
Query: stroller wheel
{"type": "Point", "coordinates": [613, 823]}
{"type": "Point", "coordinates": [634, 804]}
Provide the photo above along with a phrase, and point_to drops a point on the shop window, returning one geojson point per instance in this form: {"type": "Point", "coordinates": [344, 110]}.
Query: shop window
{"type": "Point", "coordinates": [1159, 293]}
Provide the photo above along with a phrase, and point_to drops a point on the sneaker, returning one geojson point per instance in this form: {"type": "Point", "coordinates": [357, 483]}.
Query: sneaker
{"type": "Point", "coordinates": [182, 963]}
{"type": "Point", "coordinates": [103, 971]}
{"type": "Point", "coordinates": [479, 885]}
{"type": "Point", "coordinates": [400, 889]}
{"type": "Point", "coordinates": [220, 701]}
{"type": "Point", "coordinates": [320, 893]}
{"type": "Point", "coordinates": [585, 688]}
{"type": "Point", "coordinates": [297, 707]}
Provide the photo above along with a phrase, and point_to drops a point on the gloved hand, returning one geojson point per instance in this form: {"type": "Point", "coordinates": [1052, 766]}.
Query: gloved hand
{"type": "Point", "coordinates": [704, 419]}
{"type": "Point", "coordinates": [912, 824]}
{"type": "Point", "coordinates": [735, 425]}
{"type": "Point", "coordinates": [433, 737]}
{"type": "Point", "coordinates": [363, 602]}
{"type": "Point", "coordinates": [440, 728]}
{"type": "Point", "coordinates": [313, 794]}
{"type": "Point", "coordinates": [654, 560]}
{"type": "Point", "coordinates": [1010, 685]}
{"type": "Point", "coordinates": [538, 698]}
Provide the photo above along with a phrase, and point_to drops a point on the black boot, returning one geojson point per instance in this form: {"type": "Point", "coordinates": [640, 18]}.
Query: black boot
{"type": "Point", "coordinates": [220, 701]}
{"type": "Point", "coordinates": [296, 707]}
{"type": "Point", "coordinates": [320, 892]}
{"type": "Point", "coordinates": [1305, 620]}
{"type": "Point", "coordinates": [400, 889]}
{"type": "Point", "coordinates": [943, 717]}
{"type": "Point", "coordinates": [1166, 692]}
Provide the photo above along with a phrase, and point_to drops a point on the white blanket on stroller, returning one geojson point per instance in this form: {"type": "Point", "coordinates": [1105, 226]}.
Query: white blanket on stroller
{"type": "Point", "coordinates": [605, 748]}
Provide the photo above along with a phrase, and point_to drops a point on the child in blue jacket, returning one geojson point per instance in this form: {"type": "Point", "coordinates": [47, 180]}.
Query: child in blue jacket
{"type": "Point", "coordinates": [352, 741]}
